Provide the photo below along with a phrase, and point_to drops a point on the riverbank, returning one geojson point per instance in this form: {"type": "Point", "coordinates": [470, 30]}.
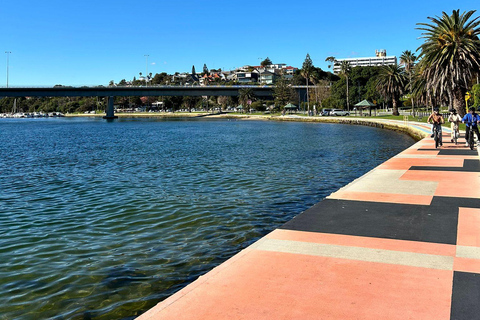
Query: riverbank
{"type": "Point", "coordinates": [400, 242]}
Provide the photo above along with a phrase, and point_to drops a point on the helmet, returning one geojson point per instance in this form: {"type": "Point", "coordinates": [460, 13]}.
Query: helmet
{"type": "Point", "coordinates": [453, 111]}
{"type": "Point", "coordinates": [435, 109]}
{"type": "Point", "coordinates": [471, 109]}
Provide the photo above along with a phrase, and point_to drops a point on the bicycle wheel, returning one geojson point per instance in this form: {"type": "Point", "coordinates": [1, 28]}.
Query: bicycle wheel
{"type": "Point", "coordinates": [471, 140]}
{"type": "Point", "coordinates": [455, 136]}
{"type": "Point", "coordinates": [436, 138]}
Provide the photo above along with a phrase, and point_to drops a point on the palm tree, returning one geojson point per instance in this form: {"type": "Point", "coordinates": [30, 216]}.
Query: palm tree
{"type": "Point", "coordinates": [332, 61]}
{"type": "Point", "coordinates": [391, 84]}
{"type": "Point", "coordinates": [407, 59]}
{"type": "Point", "coordinates": [451, 55]}
{"type": "Point", "coordinates": [345, 69]}
{"type": "Point", "coordinates": [245, 96]}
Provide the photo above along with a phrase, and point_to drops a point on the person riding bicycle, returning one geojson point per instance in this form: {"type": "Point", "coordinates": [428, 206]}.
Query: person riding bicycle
{"type": "Point", "coordinates": [436, 119]}
{"type": "Point", "coordinates": [454, 120]}
{"type": "Point", "coordinates": [471, 120]}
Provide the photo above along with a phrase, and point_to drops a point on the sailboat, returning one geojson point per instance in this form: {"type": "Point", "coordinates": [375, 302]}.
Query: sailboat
{"type": "Point", "coordinates": [15, 112]}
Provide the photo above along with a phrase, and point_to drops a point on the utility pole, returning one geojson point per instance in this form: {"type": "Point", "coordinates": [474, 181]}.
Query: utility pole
{"type": "Point", "coordinates": [8, 58]}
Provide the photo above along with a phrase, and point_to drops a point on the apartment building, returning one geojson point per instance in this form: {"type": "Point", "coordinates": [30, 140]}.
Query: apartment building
{"type": "Point", "coordinates": [380, 59]}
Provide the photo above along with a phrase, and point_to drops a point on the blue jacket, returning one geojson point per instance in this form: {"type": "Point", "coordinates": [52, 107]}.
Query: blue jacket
{"type": "Point", "coordinates": [471, 119]}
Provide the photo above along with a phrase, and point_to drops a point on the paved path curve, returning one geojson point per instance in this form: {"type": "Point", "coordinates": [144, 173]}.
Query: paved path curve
{"type": "Point", "coordinates": [400, 242]}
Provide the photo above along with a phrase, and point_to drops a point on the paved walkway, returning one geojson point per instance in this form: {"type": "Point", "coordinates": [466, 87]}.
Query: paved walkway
{"type": "Point", "coordinates": [401, 242]}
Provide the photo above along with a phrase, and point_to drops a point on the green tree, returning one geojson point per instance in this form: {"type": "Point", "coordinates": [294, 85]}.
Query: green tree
{"type": "Point", "coordinates": [476, 95]}
{"type": "Point", "coordinates": [391, 84]}
{"type": "Point", "coordinates": [224, 101]}
{"type": "Point", "coordinates": [345, 70]}
{"type": "Point", "coordinates": [245, 97]}
{"type": "Point", "coordinates": [266, 62]}
{"type": "Point", "coordinates": [190, 102]}
{"type": "Point", "coordinates": [407, 59]}
{"type": "Point", "coordinates": [307, 69]}
{"type": "Point", "coordinates": [332, 61]}
{"type": "Point", "coordinates": [283, 92]}
{"type": "Point", "coordinates": [160, 78]}
{"type": "Point", "coordinates": [450, 56]}
{"type": "Point", "coordinates": [322, 92]}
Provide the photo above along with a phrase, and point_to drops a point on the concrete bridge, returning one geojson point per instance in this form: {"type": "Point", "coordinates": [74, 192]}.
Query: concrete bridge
{"type": "Point", "coordinates": [111, 92]}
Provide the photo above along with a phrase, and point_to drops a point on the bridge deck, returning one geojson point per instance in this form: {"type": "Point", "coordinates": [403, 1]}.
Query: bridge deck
{"type": "Point", "coordinates": [401, 242]}
{"type": "Point", "coordinates": [259, 91]}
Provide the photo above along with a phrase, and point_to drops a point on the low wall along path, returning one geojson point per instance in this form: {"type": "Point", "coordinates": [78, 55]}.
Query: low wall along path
{"type": "Point", "coordinates": [400, 242]}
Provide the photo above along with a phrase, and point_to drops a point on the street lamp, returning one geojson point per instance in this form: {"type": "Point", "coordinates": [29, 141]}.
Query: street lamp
{"type": "Point", "coordinates": [8, 56]}
{"type": "Point", "coordinates": [146, 67]}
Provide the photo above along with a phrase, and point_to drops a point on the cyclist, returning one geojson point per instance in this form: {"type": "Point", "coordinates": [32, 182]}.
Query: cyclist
{"type": "Point", "coordinates": [471, 120]}
{"type": "Point", "coordinates": [436, 119]}
{"type": "Point", "coordinates": [454, 120]}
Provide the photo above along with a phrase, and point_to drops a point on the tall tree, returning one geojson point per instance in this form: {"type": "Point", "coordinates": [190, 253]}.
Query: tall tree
{"type": "Point", "coordinates": [407, 59]}
{"type": "Point", "coordinates": [245, 96]}
{"type": "Point", "coordinates": [391, 84]}
{"type": "Point", "coordinates": [266, 62]}
{"type": "Point", "coordinates": [332, 61]}
{"type": "Point", "coordinates": [307, 69]}
{"type": "Point", "coordinates": [322, 92]}
{"type": "Point", "coordinates": [205, 69]}
{"type": "Point", "coordinates": [283, 92]}
{"type": "Point", "coordinates": [193, 71]}
{"type": "Point", "coordinates": [451, 55]}
{"type": "Point", "coordinates": [190, 102]}
{"type": "Point", "coordinates": [345, 70]}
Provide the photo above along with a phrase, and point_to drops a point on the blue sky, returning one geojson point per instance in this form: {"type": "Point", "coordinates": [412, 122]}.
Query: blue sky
{"type": "Point", "coordinates": [92, 42]}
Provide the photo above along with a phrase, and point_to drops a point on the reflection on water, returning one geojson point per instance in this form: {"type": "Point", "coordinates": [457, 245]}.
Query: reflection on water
{"type": "Point", "coordinates": [102, 220]}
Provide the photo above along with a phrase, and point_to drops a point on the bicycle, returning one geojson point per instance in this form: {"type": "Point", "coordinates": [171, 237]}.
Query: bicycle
{"type": "Point", "coordinates": [437, 135]}
{"type": "Point", "coordinates": [471, 138]}
{"type": "Point", "coordinates": [455, 134]}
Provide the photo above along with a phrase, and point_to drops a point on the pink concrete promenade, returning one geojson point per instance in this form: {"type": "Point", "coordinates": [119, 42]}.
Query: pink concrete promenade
{"type": "Point", "coordinates": [400, 242]}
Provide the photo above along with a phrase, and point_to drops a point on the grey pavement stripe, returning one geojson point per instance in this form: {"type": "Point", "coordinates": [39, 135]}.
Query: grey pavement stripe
{"type": "Point", "coordinates": [357, 253]}
{"type": "Point", "coordinates": [468, 252]}
{"type": "Point", "coordinates": [388, 181]}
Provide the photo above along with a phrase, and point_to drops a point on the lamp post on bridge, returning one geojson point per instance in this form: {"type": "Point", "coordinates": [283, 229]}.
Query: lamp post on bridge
{"type": "Point", "coordinates": [8, 58]}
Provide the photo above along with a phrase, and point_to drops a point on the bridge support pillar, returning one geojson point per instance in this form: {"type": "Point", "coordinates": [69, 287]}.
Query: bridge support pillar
{"type": "Point", "coordinates": [110, 110]}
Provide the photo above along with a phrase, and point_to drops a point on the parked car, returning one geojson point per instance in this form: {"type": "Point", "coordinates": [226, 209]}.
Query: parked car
{"type": "Point", "coordinates": [338, 112]}
{"type": "Point", "coordinates": [325, 112]}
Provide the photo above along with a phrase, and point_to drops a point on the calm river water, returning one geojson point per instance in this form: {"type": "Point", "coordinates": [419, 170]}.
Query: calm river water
{"type": "Point", "coordinates": [103, 220]}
